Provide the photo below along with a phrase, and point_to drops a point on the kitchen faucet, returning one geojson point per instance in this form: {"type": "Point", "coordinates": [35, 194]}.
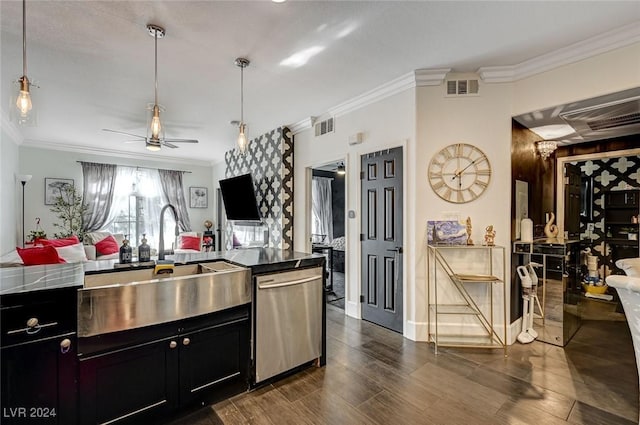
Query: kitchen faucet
{"type": "Point", "coordinates": [161, 242]}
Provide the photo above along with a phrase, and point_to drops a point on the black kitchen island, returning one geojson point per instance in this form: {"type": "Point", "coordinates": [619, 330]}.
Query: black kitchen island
{"type": "Point", "coordinates": [127, 364]}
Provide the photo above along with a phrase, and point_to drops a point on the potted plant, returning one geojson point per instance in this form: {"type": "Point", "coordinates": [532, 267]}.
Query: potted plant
{"type": "Point", "coordinates": [34, 235]}
{"type": "Point", "coordinates": [69, 208]}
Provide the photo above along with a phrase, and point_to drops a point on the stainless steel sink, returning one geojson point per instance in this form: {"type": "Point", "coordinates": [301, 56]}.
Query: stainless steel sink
{"type": "Point", "coordinates": [123, 300]}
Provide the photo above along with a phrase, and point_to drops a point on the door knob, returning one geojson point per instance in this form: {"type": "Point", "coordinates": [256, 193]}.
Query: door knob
{"type": "Point", "coordinates": [186, 341]}
{"type": "Point", "coordinates": [173, 344]}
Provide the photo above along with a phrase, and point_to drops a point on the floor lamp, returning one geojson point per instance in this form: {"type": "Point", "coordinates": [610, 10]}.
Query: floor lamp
{"type": "Point", "coordinates": [23, 178]}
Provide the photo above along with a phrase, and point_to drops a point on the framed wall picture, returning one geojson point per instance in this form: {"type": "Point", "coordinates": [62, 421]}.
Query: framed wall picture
{"type": "Point", "coordinates": [198, 197]}
{"type": "Point", "coordinates": [53, 188]}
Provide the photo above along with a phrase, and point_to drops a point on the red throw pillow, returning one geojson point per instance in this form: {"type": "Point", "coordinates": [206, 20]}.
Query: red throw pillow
{"type": "Point", "coordinates": [71, 240]}
{"type": "Point", "coordinates": [107, 246]}
{"type": "Point", "coordinates": [190, 242]}
{"type": "Point", "coordinates": [39, 255]}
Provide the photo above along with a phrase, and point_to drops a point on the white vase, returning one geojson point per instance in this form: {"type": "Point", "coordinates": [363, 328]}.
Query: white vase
{"type": "Point", "coordinates": [526, 230]}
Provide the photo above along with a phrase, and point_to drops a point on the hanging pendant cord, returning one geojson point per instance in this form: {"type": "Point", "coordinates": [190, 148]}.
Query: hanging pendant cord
{"type": "Point", "coordinates": [155, 37]}
{"type": "Point", "coordinates": [241, 95]}
{"type": "Point", "coordinates": [24, 37]}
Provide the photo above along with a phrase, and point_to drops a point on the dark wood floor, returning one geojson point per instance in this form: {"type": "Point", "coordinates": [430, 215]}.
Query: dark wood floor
{"type": "Point", "coordinates": [375, 376]}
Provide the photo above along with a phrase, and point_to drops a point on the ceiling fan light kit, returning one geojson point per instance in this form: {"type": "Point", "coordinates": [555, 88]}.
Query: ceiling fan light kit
{"type": "Point", "coordinates": [242, 63]}
{"type": "Point", "coordinates": [155, 129]}
{"type": "Point", "coordinates": [155, 137]}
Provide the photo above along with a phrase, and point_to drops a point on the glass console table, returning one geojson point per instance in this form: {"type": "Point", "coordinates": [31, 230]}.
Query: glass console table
{"type": "Point", "coordinates": [463, 283]}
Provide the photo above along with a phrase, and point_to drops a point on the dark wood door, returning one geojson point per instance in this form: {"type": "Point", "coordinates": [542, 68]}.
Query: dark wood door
{"type": "Point", "coordinates": [39, 382]}
{"type": "Point", "coordinates": [214, 362]}
{"type": "Point", "coordinates": [132, 385]}
{"type": "Point", "coordinates": [381, 238]}
{"type": "Point", "coordinates": [572, 204]}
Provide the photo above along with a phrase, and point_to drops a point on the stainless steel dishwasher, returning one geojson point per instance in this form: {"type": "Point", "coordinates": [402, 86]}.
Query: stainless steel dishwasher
{"type": "Point", "coordinates": [288, 321]}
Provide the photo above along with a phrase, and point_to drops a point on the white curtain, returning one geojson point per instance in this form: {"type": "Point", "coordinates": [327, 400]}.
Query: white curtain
{"type": "Point", "coordinates": [322, 212]}
{"type": "Point", "coordinates": [135, 210]}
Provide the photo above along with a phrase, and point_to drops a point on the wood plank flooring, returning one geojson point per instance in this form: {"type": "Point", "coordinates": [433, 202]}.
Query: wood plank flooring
{"type": "Point", "coordinates": [375, 376]}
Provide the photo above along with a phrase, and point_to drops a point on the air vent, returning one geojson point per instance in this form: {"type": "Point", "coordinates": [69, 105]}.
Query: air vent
{"type": "Point", "coordinates": [613, 119]}
{"type": "Point", "coordinates": [324, 127]}
{"type": "Point", "coordinates": [462, 87]}
{"type": "Point", "coordinates": [604, 124]}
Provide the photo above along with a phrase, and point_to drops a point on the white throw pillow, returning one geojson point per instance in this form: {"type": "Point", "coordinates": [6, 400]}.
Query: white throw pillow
{"type": "Point", "coordinates": [631, 266]}
{"type": "Point", "coordinates": [72, 253]}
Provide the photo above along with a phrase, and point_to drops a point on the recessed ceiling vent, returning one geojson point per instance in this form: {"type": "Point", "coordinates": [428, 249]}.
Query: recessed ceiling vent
{"type": "Point", "coordinates": [462, 87]}
{"type": "Point", "coordinates": [324, 127]}
{"type": "Point", "coordinates": [613, 119]}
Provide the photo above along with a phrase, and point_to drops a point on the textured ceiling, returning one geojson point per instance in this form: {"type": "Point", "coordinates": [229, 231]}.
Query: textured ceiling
{"type": "Point", "coordinates": [93, 60]}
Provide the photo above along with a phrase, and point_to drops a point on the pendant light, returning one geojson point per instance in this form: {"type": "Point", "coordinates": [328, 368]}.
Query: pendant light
{"type": "Point", "coordinates": [242, 137]}
{"type": "Point", "coordinates": [155, 129]}
{"type": "Point", "coordinates": [23, 101]}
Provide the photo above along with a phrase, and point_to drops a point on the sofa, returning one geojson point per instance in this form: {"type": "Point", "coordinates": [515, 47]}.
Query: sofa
{"type": "Point", "coordinates": [628, 288]}
{"type": "Point", "coordinates": [95, 246]}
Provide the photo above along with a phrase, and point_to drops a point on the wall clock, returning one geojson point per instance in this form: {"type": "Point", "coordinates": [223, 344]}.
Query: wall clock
{"type": "Point", "coordinates": [459, 173]}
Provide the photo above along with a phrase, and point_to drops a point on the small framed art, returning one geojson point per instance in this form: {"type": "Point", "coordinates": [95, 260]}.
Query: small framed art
{"type": "Point", "coordinates": [53, 189]}
{"type": "Point", "coordinates": [198, 197]}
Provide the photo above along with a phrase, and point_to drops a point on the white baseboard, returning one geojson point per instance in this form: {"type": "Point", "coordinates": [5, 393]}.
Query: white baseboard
{"type": "Point", "coordinates": [416, 331]}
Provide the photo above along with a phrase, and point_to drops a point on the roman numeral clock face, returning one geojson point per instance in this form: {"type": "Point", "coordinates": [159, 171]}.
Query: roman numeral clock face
{"type": "Point", "coordinates": [459, 173]}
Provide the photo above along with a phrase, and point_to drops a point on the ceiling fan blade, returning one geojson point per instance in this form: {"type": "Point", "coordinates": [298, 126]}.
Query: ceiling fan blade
{"type": "Point", "coordinates": [132, 141]}
{"type": "Point", "coordinates": [181, 140]}
{"type": "Point", "coordinates": [169, 145]}
{"type": "Point", "coordinates": [124, 132]}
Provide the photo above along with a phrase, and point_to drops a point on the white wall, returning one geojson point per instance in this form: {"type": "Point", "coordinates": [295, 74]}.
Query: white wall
{"type": "Point", "coordinates": [10, 194]}
{"type": "Point", "coordinates": [43, 163]}
{"type": "Point", "coordinates": [423, 120]}
{"type": "Point", "coordinates": [386, 124]}
{"type": "Point", "coordinates": [606, 73]}
{"type": "Point", "coordinates": [485, 122]}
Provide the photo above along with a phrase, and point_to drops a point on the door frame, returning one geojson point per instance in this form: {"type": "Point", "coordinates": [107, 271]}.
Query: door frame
{"type": "Point", "coordinates": [352, 228]}
{"type": "Point", "coordinates": [409, 253]}
{"type": "Point", "coordinates": [560, 162]}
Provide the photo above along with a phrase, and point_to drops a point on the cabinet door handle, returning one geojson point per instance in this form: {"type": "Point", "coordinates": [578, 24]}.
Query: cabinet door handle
{"type": "Point", "coordinates": [65, 345]}
{"type": "Point", "coordinates": [173, 344]}
{"type": "Point", "coordinates": [186, 341]}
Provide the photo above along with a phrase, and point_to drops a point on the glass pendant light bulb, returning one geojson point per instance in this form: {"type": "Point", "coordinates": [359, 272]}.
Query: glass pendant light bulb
{"type": "Point", "coordinates": [156, 125]}
{"type": "Point", "coordinates": [23, 103]}
{"type": "Point", "coordinates": [242, 140]}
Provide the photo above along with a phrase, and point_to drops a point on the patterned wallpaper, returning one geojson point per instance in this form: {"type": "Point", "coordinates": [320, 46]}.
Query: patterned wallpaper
{"type": "Point", "coordinates": [269, 159]}
{"type": "Point", "coordinates": [607, 174]}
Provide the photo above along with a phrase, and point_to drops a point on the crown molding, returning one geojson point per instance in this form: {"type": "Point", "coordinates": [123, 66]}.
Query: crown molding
{"type": "Point", "coordinates": [65, 147]}
{"type": "Point", "coordinates": [417, 78]}
{"type": "Point", "coordinates": [302, 125]}
{"type": "Point", "coordinates": [430, 77]}
{"type": "Point", "coordinates": [394, 86]}
{"type": "Point", "coordinates": [618, 38]}
{"type": "Point", "coordinates": [10, 128]}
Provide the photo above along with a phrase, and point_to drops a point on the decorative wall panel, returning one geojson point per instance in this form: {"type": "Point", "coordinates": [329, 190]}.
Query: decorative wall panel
{"type": "Point", "coordinates": [269, 159]}
{"type": "Point", "coordinates": [606, 174]}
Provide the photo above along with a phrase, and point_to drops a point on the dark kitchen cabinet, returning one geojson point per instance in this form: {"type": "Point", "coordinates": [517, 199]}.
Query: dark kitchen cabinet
{"type": "Point", "coordinates": [214, 362]}
{"type": "Point", "coordinates": [39, 382]}
{"type": "Point", "coordinates": [147, 381]}
{"type": "Point", "coordinates": [621, 210]}
{"type": "Point", "coordinates": [129, 385]}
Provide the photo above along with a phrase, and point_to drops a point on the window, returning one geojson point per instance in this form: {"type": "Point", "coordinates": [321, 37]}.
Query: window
{"type": "Point", "coordinates": [136, 206]}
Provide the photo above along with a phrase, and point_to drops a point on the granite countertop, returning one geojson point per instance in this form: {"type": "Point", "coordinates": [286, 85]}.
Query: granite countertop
{"type": "Point", "coordinates": [15, 280]}
{"type": "Point", "coordinates": [259, 260]}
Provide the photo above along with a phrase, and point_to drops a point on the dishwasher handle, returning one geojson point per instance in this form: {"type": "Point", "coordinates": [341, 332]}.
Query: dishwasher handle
{"type": "Point", "coordinates": [265, 285]}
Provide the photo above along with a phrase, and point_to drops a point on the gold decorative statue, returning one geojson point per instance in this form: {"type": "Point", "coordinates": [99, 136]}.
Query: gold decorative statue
{"type": "Point", "coordinates": [469, 240]}
{"type": "Point", "coordinates": [490, 236]}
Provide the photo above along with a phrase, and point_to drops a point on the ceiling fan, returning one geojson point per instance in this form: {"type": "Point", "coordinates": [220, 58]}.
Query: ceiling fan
{"type": "Point", "coordinates": [154, 139]}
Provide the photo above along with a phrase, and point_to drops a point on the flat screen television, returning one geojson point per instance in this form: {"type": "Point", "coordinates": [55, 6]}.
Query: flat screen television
{"type": "Point", "coordinates": [239, 197]}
